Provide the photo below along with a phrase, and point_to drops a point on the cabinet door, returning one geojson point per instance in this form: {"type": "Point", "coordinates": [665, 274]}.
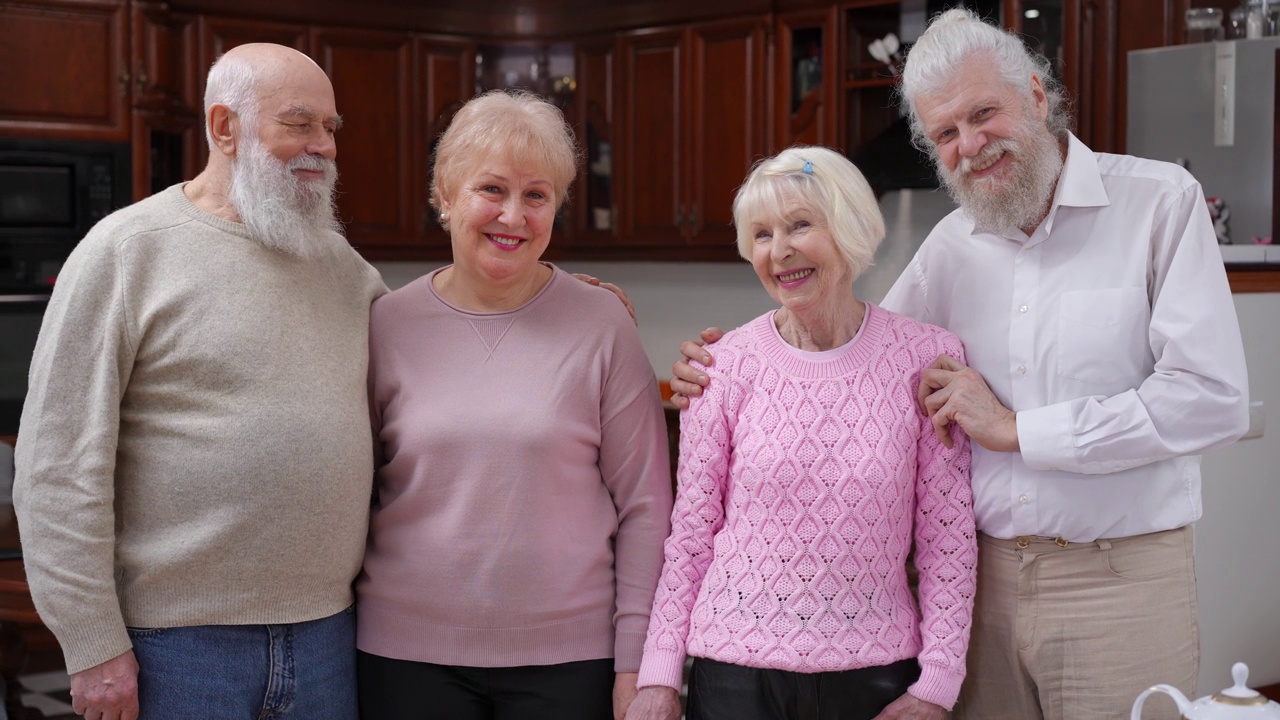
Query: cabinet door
{"type": "Point", "coordinates": [446, 69]}
{"type": "Point", "coordinates": [591, 206]}
{"type": "Point", "coordinates": [65, 71]}
{"type": "Point", "coordinates": [727, 134]}
{"type": "Point", "coordinates": [371, 73]}
{"type": "Point", "coordinates": [649, 153]}
{"type": "Point", "coordinates": [805, 79]}
{"type": "Point", "coordinates": [167, 124]}
{"type": "Point", "coordinates": [220, 34]}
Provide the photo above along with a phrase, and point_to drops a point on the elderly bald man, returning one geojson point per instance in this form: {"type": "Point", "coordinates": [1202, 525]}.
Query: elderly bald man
{"type": "Point", "coordinates": [194, 459]}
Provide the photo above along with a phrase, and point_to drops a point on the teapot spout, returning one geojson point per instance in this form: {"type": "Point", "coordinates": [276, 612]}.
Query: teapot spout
{"type": "Point", "coordinates": [1184, 705]}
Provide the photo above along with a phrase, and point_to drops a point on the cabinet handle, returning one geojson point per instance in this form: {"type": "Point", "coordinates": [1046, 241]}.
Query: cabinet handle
{"type": "Point", "coordinates": [142, 79]}
{"type": "Point", "coordinates": [693, 219]}
{"type": "Point", "coordinates": [124, 81]}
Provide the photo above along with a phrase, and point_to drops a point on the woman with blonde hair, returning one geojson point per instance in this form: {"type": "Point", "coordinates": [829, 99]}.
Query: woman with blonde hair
{"type": "Point", "coordinates": [808, 475]}
{"type": "Point", "coordinates": [523, 485]}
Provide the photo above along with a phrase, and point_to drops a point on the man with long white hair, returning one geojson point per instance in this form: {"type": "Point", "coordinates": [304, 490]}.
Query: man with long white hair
{"type": "Point", "coordinates": [194, 462]}
{"type": "Point", "coordinates": [1104, 358]}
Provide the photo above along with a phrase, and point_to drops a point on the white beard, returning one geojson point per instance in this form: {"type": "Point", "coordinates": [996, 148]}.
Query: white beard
{"type": "Point", "coordinates": [280, 210]}
{"type": "Point", "coordinates": [1023, 194]}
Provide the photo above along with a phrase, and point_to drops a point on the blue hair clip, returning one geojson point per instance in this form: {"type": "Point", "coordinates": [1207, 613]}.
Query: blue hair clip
{"type": "Point", "coordinates": [808, 167]}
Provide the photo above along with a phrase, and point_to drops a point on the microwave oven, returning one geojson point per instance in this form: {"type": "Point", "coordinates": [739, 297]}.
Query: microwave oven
{"type": "Point", "coordinates": [51, 193]}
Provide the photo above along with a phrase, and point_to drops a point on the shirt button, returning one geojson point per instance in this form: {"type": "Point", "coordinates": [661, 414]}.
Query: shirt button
{"type": "Point", "coordinates": [1022, 369]}
{"type": "Point", "coordinates": [1024, 499]}
{"type": "Point", "coordinates": [1022, 309]}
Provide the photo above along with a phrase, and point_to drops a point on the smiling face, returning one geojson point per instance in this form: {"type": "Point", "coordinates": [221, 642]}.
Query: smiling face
{"type": "Point", "coordinates": [500, 216]}
{"type": "Point", "coordinates": [995, 154]}
{"type": "Point", "coordinates": [798, 262]}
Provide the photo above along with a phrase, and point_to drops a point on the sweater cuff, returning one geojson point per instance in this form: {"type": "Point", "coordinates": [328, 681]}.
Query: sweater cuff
{"type": "Point", "coordinates": [1045, 437]}
{"type": "Point", "coordinates": [662, 667]}
{"type": "Point", "coordinates": [627, 649]}
{"type": "Point", "coordinates": [938, 685]}
{"type": "Point", "coordinates": [87, 644]}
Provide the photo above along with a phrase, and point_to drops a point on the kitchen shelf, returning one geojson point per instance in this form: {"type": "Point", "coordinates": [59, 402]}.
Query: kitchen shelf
{"type": "Point", "coordinates": [870, 83]}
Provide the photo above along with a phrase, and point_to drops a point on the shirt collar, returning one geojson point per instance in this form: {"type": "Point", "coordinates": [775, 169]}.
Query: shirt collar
{"type": "Point", "coordinates": [1079, 183]}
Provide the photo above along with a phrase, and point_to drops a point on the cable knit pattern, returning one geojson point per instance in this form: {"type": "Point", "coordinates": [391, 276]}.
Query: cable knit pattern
{"type": "Point", "coordinates": [802, 477]}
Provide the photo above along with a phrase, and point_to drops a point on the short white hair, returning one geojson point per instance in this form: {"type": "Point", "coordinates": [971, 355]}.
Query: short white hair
{"type": "Point", "coordinates": [232, 82]}
{"type": "Point", "coordinates": [954, 37]}
{"type": "Point", "coordinates": [825, 182]}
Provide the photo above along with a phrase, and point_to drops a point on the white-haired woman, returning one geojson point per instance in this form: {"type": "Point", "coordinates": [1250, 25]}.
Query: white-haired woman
{"type": "Point", "coordinates": [808, 475]}
{"type": "Point", "coordinates": [523, 484]}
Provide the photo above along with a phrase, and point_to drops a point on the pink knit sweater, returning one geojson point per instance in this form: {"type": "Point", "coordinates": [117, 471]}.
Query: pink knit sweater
{"type": "Point", "coordinates": [802, 478]}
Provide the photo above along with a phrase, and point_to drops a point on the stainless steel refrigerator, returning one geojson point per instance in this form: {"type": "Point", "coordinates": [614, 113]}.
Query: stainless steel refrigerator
{"type": "Point", "coordinates": [1212, 106]}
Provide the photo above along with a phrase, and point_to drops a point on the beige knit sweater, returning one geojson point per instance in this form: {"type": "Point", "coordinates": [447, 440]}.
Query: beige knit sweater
{"type": "Point", "coordinates": [195, 445]}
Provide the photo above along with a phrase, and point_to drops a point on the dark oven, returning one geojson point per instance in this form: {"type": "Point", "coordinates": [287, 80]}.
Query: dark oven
{"type": "Point", "coordinates": [20, 317]}
{"type": "Point", "coordinates": [51, 193]}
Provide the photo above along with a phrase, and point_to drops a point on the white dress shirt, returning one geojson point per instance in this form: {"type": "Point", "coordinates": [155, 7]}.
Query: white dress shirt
{"type": "Point", "coordinates": [1112, 334]}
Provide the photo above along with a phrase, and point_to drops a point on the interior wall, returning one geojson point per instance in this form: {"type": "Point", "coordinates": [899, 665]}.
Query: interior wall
{"type": "Point", "coordinates": [1237, 563]}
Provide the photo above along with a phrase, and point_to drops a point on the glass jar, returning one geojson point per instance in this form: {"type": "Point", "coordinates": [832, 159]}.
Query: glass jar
{"type": "Point", "coordinates": [1204, 25]}
{"type": "Point", "coordinates": [1261, 18]}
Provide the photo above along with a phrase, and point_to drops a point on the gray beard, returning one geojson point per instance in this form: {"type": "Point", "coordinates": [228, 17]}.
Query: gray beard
{"type": "Point", "coordinates": [280, 210]}
{"type": "Point", "coordinates": [1027, 192]}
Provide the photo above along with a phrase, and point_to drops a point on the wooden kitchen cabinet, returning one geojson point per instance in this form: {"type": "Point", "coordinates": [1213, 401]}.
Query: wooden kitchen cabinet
{"type": "Point", "coordinates": [65, 69]}
{"type": "Point", "coordinates": [372, 76]}
{"type": "Point", "coordinates": [693, 120]}
{"type": "Point", "coordinates": [591, 209]}
{"type": "Point", "coordinates": [806, 79]}
{"type": "Point", "coordinates": [167, 129]}
{"type": "Point", "coordinates": [444, 81]}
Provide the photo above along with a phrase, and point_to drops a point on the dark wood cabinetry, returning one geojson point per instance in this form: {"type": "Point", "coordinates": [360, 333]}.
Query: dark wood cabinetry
{"type": "Point", "coordinates": [807, 79]}
{"type": "Point", "coordinates": [444, 80]}
{"type": "Point", "coordinates": [167, 131]}
{"type": "Point", "coordinates": [693, 119]}
{"type": "Point", "coordinates": [65, 71]}
{"type": "Point", "coordinates": [672, 102]}
{"type": "Point", "coordinates": [372, 75]}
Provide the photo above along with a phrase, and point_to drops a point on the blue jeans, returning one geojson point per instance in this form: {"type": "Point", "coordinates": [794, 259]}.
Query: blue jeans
{"type": "Point", "coordinates": [299, 671]}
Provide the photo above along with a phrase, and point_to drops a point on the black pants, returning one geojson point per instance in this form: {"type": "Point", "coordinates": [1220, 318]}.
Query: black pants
{"type": "Point", "coordinates": [405, 690]}
{"type": "Point", "coordinates": [722, 691]}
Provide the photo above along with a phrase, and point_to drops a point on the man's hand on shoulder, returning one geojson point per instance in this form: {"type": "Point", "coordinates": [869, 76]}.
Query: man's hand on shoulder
{"type": "Point", "coordinates": [687, 381]}
{"type": "Point", "coordinates": [107, 691]}
{"type": "Point", "coordinates": [626, 301]}
{"type": "Point", "coordinates": [952, 391]}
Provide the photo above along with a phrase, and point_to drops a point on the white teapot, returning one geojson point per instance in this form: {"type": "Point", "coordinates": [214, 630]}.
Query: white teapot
{"type": "Point", "coordinates": [1235, 703]}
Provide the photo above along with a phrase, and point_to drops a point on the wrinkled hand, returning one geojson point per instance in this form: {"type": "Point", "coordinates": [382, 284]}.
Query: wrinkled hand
{"type": "Point", "coordinates": [626, 301]}
{"type": "Point", "coordinates": [688, 381]}
{"type": "Point", "coordinates": [910, 707]}
{"type": "Point", "coordinates": [952, 391]}
{"type": "Point", "coordinates": [624, 692]}
{"type": "Point", "coordinates": [655, 703]}
{"type": "Point", "coordinates": [107, 691]}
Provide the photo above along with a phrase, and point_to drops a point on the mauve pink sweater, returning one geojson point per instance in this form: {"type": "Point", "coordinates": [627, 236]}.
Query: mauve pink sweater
{"type": "Point", "coordinates": [523, 486]}
{"type": "Point", "coordinates": [804, 479]}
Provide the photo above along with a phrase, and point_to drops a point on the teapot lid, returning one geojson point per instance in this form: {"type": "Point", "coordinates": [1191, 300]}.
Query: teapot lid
{"type": "Point", "coordinates": [1239, 694]}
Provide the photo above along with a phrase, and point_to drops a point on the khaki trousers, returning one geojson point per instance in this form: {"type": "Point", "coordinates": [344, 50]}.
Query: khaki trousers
{"type": "Point", "coordinates": [1075, 631]}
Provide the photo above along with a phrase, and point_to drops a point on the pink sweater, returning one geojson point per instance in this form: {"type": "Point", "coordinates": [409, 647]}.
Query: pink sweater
{"type": "Point", "coordinates": [523, 477]}
{"type": "Point", "coordinates": [802, 477]}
